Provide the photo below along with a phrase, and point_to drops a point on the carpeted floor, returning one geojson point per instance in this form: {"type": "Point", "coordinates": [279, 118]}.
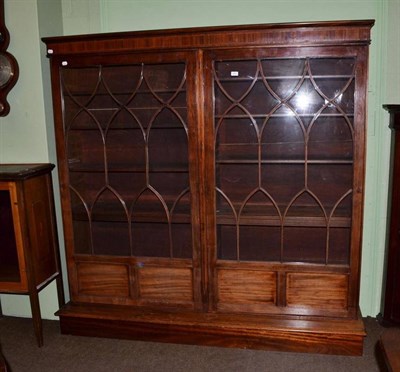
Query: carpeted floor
{"type": "Point", "coordinates": [83, 354]}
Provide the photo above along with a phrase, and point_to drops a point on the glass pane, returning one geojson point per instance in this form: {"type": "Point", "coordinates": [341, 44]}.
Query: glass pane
{"type": "Point", "coordinates": [111, 238]}
{"type": "Point", "coordinates": [262, 243]}
{"type": "Point", "coordinates": [182, 240]}
{"type": "Point", "coordinates": [283, 138]}
{"type": "Point", "coordinates": [227, 242]}
{"type": "Point", "coordinates": [339, 240]}
{"type": "Point", "coordinates": [304, 244]}
{"type": "Point", "coordinates": [274, 178]}
{"type": "Point", "coordinates": [284, 158]}
{"type": "Point", "coordinates": [9, 267]}
{"type": "Point", "coordinates": [331, 138]}
{"type": "Point", "coordinates": [85, 150]}
{"type": "Point", "coordinates": [127, 143]}
{"type": "Point", "coordinates": [283, 76]}
{"type": "Point", "coordinates": [330, 183]}
{"type": "Point", "coordinates": [151, 239]}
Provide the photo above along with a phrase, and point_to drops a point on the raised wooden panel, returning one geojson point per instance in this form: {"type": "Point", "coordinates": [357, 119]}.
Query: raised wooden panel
{"type": "Point", "coordinates": [246, 287]}
{"type": "Point", "coordinates": [103, 279]}
{"type": "Point", "coordinates": [166, 284]}
{"type": "Point", "coordinates": [320, 291]}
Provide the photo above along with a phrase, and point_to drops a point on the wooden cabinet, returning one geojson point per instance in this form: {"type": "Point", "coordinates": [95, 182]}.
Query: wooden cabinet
{"type": "Point", "coordinates": [212, 183]}
{"type": "Point", "coordinates": [390, 314]}
{"type": "Point", "coordinates": [29, 257]}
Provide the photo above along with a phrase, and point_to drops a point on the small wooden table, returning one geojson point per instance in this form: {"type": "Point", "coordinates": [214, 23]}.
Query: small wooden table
{"type": "Point", "coordinates": [390, 346]}
{"type": "Point", "coordinates": [29, 256]}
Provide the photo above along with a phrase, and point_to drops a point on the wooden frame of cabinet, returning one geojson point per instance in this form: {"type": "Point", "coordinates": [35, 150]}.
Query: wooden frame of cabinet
{"type": "Point", "coordinates": [16, 282]}
{"type": "Point", "coordinates": [390, 311]}
{"type": "Point", "coordinates": [155, 131]}
{"type": "Point", "coordinates": [29, 256]}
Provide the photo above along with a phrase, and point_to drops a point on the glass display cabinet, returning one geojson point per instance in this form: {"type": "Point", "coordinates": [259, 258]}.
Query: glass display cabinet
{"type": "Point", "coordinates": [284, 164]}
{"type": "Point", "coordinates": [29, 256]}
{"type": "Point", "coordinates": [212, 183]}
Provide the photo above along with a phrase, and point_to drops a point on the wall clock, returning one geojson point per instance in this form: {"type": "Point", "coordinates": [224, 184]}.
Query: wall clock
{"type": "Point", "coordinates": [8, 65]}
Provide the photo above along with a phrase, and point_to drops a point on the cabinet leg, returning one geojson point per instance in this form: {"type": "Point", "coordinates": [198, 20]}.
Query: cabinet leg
{"type": "Point", "coordinates": [36, 317]}
{"type": "Point", "coordinates": [60, 291]}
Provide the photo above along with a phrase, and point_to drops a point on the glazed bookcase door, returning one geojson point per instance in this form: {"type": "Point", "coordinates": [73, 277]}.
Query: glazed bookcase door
{"type": "Point", "coordinates": [127, 136]}
{"type": "Point", "coordinates": [285, 146]}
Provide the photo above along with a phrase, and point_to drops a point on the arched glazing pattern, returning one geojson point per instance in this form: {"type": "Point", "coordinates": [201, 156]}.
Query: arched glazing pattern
{"type": "Point", "coordinates": [284, 133]}
{"type": "Point", "coordinates": [126, 139]}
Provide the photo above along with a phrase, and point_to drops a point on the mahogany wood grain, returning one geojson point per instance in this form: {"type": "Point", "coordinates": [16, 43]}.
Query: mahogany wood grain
{"type": "Point", "coordinates": [324, 291]}
{"type": "Point", "coordinates": [107, 280]}
{"type": "Point", "coordinates": [165, 284]}
{"type": "Point", "coordinates": [242, 331]}
{"type": "Point", "coordinates": [200, 205]}
{"type": "Point", "coordinates": [295, 34]}
{"type": "Point", "coordinates": [246, 291]}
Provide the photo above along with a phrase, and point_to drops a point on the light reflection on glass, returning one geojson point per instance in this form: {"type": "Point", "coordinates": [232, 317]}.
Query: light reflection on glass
{"type": "Point", "coordinates": [338, 99]}
{"type": "Point", "coordinates": [303, 101]}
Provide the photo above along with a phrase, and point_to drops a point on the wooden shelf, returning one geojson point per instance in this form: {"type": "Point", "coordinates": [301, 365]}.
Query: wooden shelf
{"type": "Point", "coordinates": [124, 169]}
{"type": "Point", "coordinates": [284, 77]}
{"type": "Point", "coordinates": [9, 273]}
{"type": "Point", "coordinates": [113, 128]}
{"type": "Point", "coordinates": [128, 93]}
{"type": "Point", "coordinates": [148, 217]}
{"type": "Point", "coordinates": [283, 161]}
{"type": "Point", "coordinates": [109, 213]}
{"type": "Point", "coordinates": [285, 115]}
{"type": "Point", "coordinates": [301, 221]}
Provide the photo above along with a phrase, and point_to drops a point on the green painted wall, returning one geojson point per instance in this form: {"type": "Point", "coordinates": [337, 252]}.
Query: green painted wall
{"type": "Point", "coordinates": [27, 135]}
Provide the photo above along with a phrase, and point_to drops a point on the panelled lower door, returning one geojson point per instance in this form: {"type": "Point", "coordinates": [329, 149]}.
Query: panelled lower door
{"type": "Point", "coordinates": [286, 140]}
{"type": "Point", "coordinates": [130, 190]}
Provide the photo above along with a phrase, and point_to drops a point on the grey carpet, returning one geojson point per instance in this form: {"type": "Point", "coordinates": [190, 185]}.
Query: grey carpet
{"type": "Point", "coordinates": [83, 354]}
